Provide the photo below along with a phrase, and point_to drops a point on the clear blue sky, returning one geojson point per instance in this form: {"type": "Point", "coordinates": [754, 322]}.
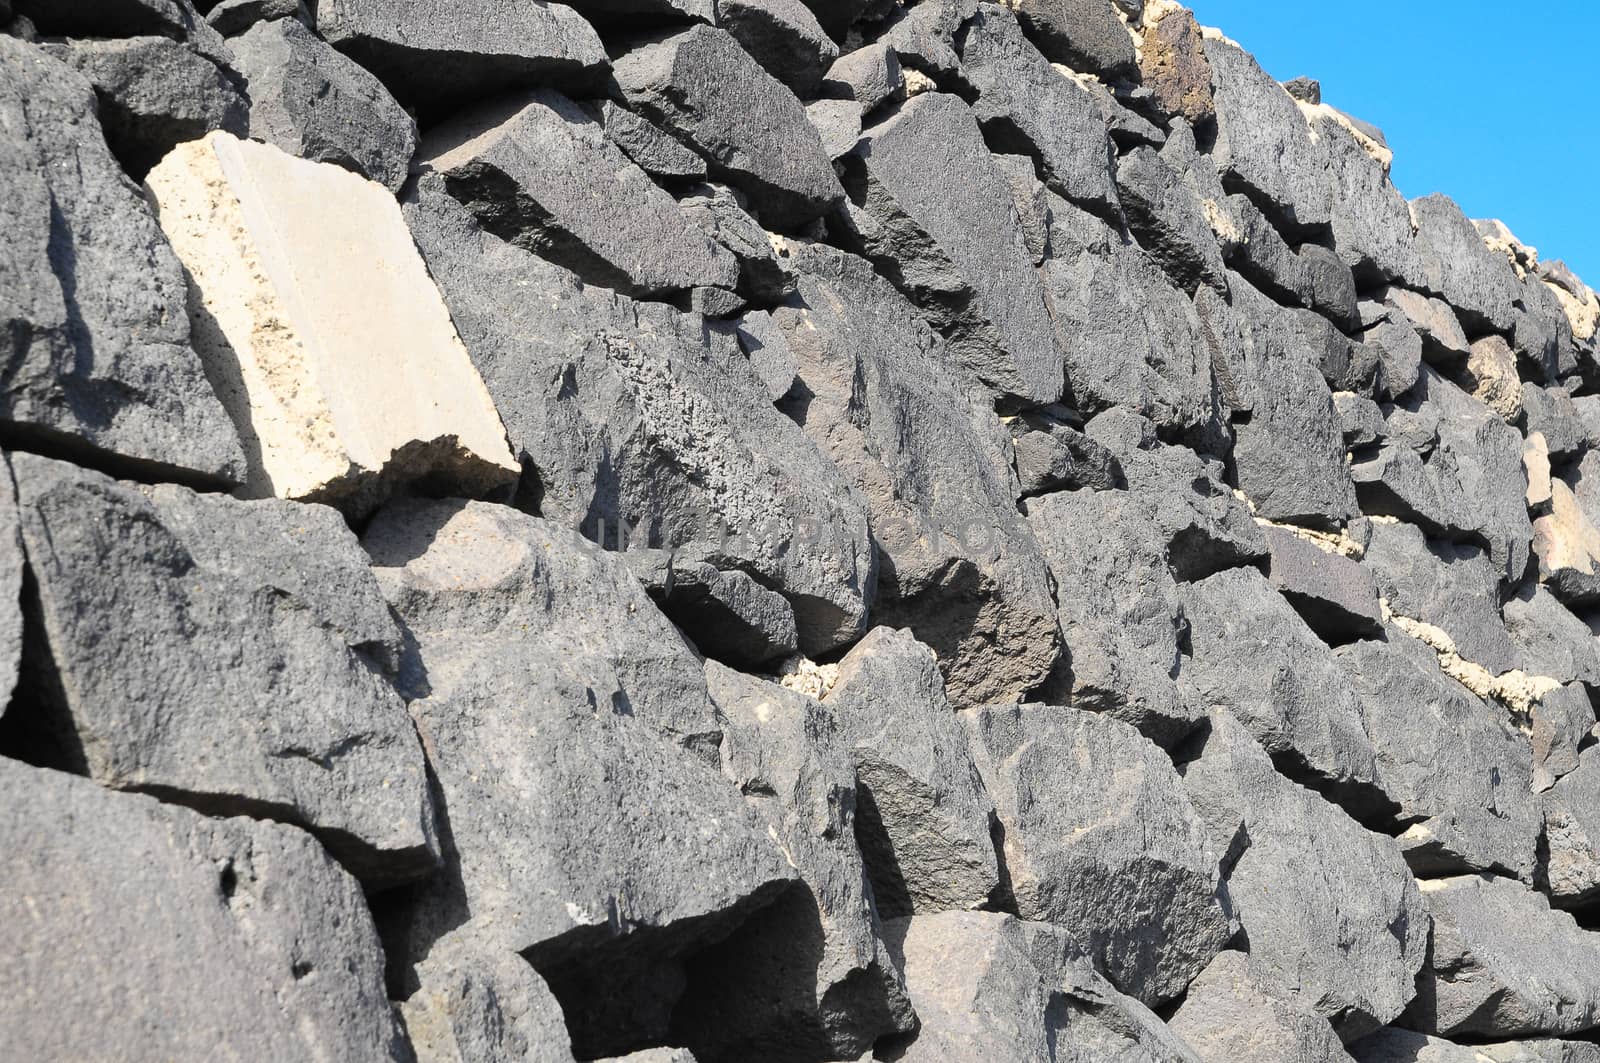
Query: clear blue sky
{"type": "Point", "coordinates": [1495, 104]}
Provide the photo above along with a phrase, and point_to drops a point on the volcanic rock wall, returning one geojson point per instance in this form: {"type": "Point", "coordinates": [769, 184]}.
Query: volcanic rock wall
{"type": "Point", "coordinates": [750, 530]}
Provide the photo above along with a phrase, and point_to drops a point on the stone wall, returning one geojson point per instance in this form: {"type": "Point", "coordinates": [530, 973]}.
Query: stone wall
{"type": "Point", "coordinates": [768, 530]}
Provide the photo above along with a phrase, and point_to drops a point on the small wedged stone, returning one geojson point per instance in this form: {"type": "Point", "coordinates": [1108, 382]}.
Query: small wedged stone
{"type": "Point", "coordinates": [540, 174]}
{"type": "Point", "coordinates": [155, 93]}
{"type": "Point", "coordinates": [315, 102]}
{"type": "Point", "coordinates": [1504, 964]}
{"type": "Point", "coordinates": [1052, 455]}
{"type": "Point", "coordinates": [1491, 373]}
{"type": "Point", "coordinates": [637, 418]}
{"type": "Point", "coordinates": [97, 341]}
{"type": "Point", "coordinates": [1401, 349]}
{"type": "Point", "coordinates": [703, 88]}
{"type": "Point", "coordinates": [1457, 266]}
{"type": "Point", "coordinates": [1235, 1013]}
{"type": "Point", "coordinates": [234, 17]}
{"type": "Point", "coordinates": [235, 937]}
{"type": "Point", "coordinates": [1332, 593]}
{"type": "Point", "coordinates": [336, 357]}
{"type": "Point", "coordinates": [1169, 218]}
{"type": "Point", "coordinates": [540, 676]}
{"type": "Point", "coordinates": [1029, 108]}
{"type": "Point", "coordinates": [768, 350]}
{"type": "Point", "coordinates": [437, 55]}
{"type": "Point", "coordinates": [878, 394]}
{"type": "Point", "coordinates": [784, 37]}
{"type": "Point", "coordinates": [1552, 413]}
{"type": "Point", "coordinates": [923, 37]}
{"type": "Point", "coordinates": [922, 816]}
{"type": "Point", "coordinates": [1444, 343]}
{"type": "Point", "coordinates": [1330, 909]}
{"type": "Point", "coordinates": [726, 614]}
{"type": "Point", "coordinates": [1086, 35]}
{"type": "Point", "coordinates": [1111, 851]}
{"type": "Point", "coordinates": [1567, 544]}
{"type": "Point", "coordinates": [654, 151]}
{"type": "Point", "coordinates": [1032, 202]}
{"type": "Point", "coordinates": [936, 214]}
{"type": "Point", "coordinates": [1551, 641]}
{"type": "Point", "coordinates": [1395, 1045]}
{"type": "Point", "coordinates": [829, 987]}
{"type": "Point", "coordinates": [1173, 65]}
{"type": "Point", "coordinates": [11, 576]}
{"type": "Point", "coordinates": [719, 213]}
{"type": "Point", "coordinates": [234, 662]}
{"type": "Point", "coordinates": [870, 76]}
{"type": "Point", "coordinates": [1293, 697]}
{"type": "Point", "coordinates": [838, 123]}
{"type": "Point", "coordinates": [483, 1006]}
{"type": "Point", "coordinates": [1572, 834]}
{"type": "Point", "coordinates": [1460, 776]}
{"type": "Point", "coordinates": [1559, 723]}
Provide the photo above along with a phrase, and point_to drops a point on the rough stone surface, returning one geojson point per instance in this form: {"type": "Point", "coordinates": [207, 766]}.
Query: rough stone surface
{"type": "Point", "coordinates": [1234, 1012]}
{"type": "Point", "coordinates": [1444, 343]}
{"type": "Point", "coordinates": [540, 174]}
{"type": "Point", "coordinates": [1457, 266]}
{"type": "Point", "coordinates": [727, 615]}
{"type": "Point", "coordinates": [316, 103]}
{"type": "Point", "coordinates": [1086, 35]}
{"type": "Point", "coordinates": [1168, 216]}
{"type": "Point", "coordinates": [784, 37]}
{"type": "Point", "coordinates": [609, 400]}
{"type": "Point", "coordinates": [1572, 834]}
{"type": "Point", "coordinates": [702, 87]}
{"type": "Point", "coordinates": [477, 1006]}
{"type": "Point", "coordinates": [332, 350]}
{"type": "Point", "coordinates": [923, 179]}
{"type": "Point", "coordinates": [1174, 66]}
{"type": "Point", "coordinates": [1051, 455]}
{"type": "Point", "coordinates": [234, 17]}
{"type": "Point", "coordinates": [719, 212]}
{"type": "Point", "coordinates": [1330, 909]}
{"type": "Point", "coordinates": [1111, 851]}
{"type": "Point", "coordinates": [1504, 964]}
{"type": "Point", "coordinates": [1332, 593]}
{"type": "Point", "coordinates": [228, 935]}
{"type": "Point", "coordinates": [97, 341]}
{"type": "Point", "coordinates": [870, 76]}
{"type": "Point", "coordinates": [922, 816]}
{"type": "Point", "coordinates": [655, 152]}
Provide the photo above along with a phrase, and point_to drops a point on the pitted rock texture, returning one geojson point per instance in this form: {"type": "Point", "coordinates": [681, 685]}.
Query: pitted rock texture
{"type": "Point", "coordinates": [783, 530]}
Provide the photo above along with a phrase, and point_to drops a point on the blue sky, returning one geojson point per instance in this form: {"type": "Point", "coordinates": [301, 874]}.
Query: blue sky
{"type": "Point", "coordinates": [1495, 104]}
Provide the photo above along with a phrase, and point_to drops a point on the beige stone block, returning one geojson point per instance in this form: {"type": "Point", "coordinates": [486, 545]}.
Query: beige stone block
{"type": "Point", "coordinates": [321, 330]}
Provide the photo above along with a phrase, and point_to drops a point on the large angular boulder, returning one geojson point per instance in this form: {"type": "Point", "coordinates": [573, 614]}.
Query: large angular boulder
{"type": "Point", "coordinates": [936, 213]}
{"type": "Point", "coordinates": [784, 37]}
{"type": "Point", "coordinates": [1329, 908]}
{"type": "Point", "coordinates": [539, 173]}
{"type": "Point", "coordinates": [337, 357]}
{"type": "Point", "coordinates": [1110, 851]}
{"type": "Point", "coordinates": [609, 400]}
{"type": "Point", "coordinates": [1333, 593]}
{"type": "Point", "coordinates": [1167, 213]}
{"type": "Point", "coordinates": [1371, 225]}
{"type": "Point", "coordinates": [230, 936]}
{"type": "Point", "coordinates": [1504, 964]}
{"type": "Point", "coordinates": [96, 337]}
{"type": "Point", "coordinates": [1174, 67]}
{"type": "Point", "coordinates": [233, 661]}
{"type": "Point", "coordinates": [1292, 696]}
{"type": "Point", "coordinates": [542, 677]}
{"type": "Point", "coordinates": [702, 87]}
{"type": "Point", "coordinates": [1460, 775]}
{"type": "Point", "coordinates": [877, 393]}
{"type": "Point", "coordinates": [829, 987]}
{"type": "Point", "coordinates": [922, 816]}
{"type": "Point", "coordinates": [1460, 268]}
{"type": "Point", "coordinates": [314, 102]}
{"type": "Point", "coordinates": [234, 17]}
{"type": "Point", "coordinates": [439, 54]}
{"type": "Point", "coordinates": [1234, 1013]}
{"type": "Point", "coordinates": [155, 93]}
{"type": "Point", "coordinates": [1086, 35]}
{"type": "Point", "coordinates": [1029, 108]}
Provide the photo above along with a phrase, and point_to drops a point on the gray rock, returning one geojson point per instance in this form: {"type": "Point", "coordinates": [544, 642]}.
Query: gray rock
{"type": "Point", "coordinates": [1458, 267]}
{"type": "Point", "coordinates": [1449, 585]}
{"type": "Point", "coordinates": [1371, 223]}
{"type": "Point", "coordinates": [1460, 477]}
{"type": "Point", "coordinates": [935, 212]}
{"type": "Point", "coordinates": [1572, 834]}
{"type": "Point", "coordinates": [1174, 67]}
{"type": "Point", "coordinates": [155, 93]}
{"type": "Point", "coordinates": [543, 676]}
{"type": "Point", "coordinates": [1552, 413]}
{"type": "Point", "coordinates": [1400, 347]}
{"type": "Point", "coordinates": [870, 76]}
{"type": "Point", "coordinates": [98, 340]}
{"type": "Point", "coordinates": [1559, 723]}
{"type": "Point", "coordinates": [635, 413]}
{"type": "Point", "coordinates": [1130, 337]}
{"type": "Point", "coordinates": [1128, 128]}
{"type": "Point", "coordinates": [878, 395]}
{"type": "Point", "coordinates": [986, 986]}
{"type": "Point", "coordinates": [727, 615]}
{"type": "Point", "coordinates": [234, 937]}
{"type": "Point", "coordinates": [1263, 142]}
{"type": "Point", "coordinates": [1051, 455]}
{"type": "Point", "coordinates": [540, 174]}
{"type": "Point", "coordinates": [836, 16]}
{"type": "Point", "coordinates": [1028, 108]}
{"type": "Point", "coordinates": [11, 575]}
{"type": "Point", "coordinates": [1395, 1045]}
{"type": "Point", "coordinates": [107, 18]}
{"type": "Point", "coordinates": [1330, 286]}
{"type": "Point", "coordinates": [1032, 202]}
{"type": "Point", "coordinates": [769, 352]}
{"type": "Point", "coordinates": [923, 37]}
{"type": "Point", "coordinates": [1233, 1012]}
{"type": "Point", "coordinates": [437, 55]}
{"type": "Point", "coordinates": [483, 1007]}
{"type": "Point", "coordinates": [1542, 333]}
{"type": "Point", "coordinates": [922, 816]}
{"type": "Point", "coordinates": [784, 37]}
{"type": "Point", "coordinates": [232, 664]}
{"type": "Point", "coordinates": [316, 103]}
{"type": "Point", "coordinates": [1504, 964]}
{"type": "Point", "coordinates": [1551, 640]}
{"type": "Point", "coordinates": [1292, 697]}
{"type": "Point", "coordinates": [1360, 419]}
{"type": "Point", "coordinates": [719, 212]}
{"type": "Point", "coordinates": [838, 123]}
{"type": "Point", "coordinates": [233, 17]}
{"type": "Point", "coordinates": [1444, 344]}
{"type": "Point", "coordinates": [1461, 777]}
{"type": "Point", "coordinates": [703, 88]}
{"type": "Point", "coordinates": [656, 153]}
{"type": "Point", "coordinates": [1168, 217]}
{"type": "Point", "coordinates": [1332, 593]}
{"type": "Point", "coordinates": [1083, 34]}
{"type": "Point", "coordinates": [1110, 851]}
{"type": "Point", "coordinates": [829, 988]}
{"type": "Point", "coordinates": [1329, 908]}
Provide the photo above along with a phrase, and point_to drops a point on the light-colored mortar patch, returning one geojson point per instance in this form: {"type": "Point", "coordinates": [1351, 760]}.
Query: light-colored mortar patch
{"type": "Point", "coordinates": [1338, 542]}
{"type": "Point", "coordinates": [1312, 111]}
{"type": "Point", "coordinates": [805, 676]}
{"type": "Point", "coordinates": [1516, 689]}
